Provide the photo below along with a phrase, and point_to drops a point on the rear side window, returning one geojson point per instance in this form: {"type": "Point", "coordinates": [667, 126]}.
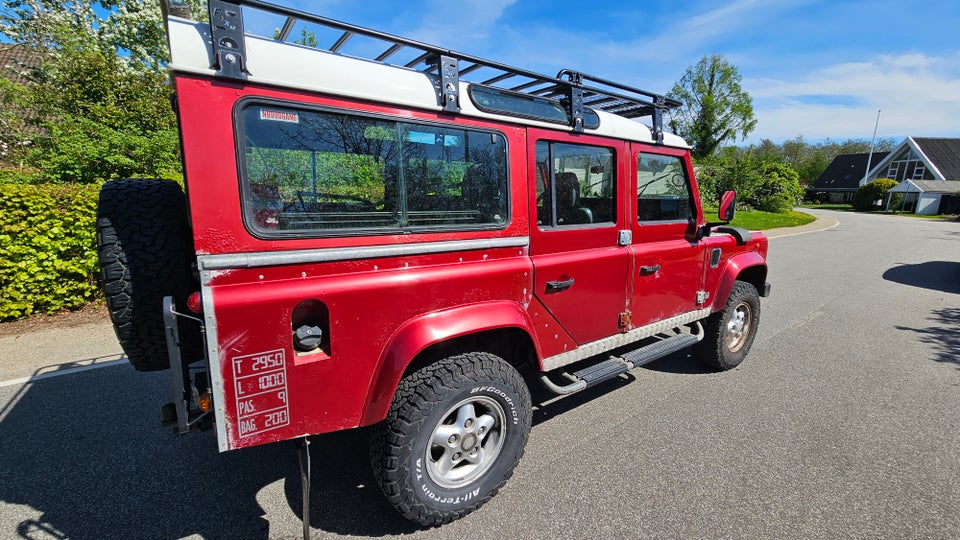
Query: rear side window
{"type": "Point", "coordinates": [317, 172]}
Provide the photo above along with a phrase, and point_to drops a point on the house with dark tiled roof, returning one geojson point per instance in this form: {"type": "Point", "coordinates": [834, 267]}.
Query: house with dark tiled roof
{"type": "Point", "coordinates": [843, 176]}
{"type": "Point", "coordinates": [16, 62]}
{"type": "Point", "coordinates": [928, 172]}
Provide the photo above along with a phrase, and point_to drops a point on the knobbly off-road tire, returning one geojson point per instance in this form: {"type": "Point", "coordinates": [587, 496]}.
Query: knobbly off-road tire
{"type": "Point", "coordinates": [146, 252]}
{"type": "Point", "coordinates": [729, 334]}
{"type": "Point", "coordinates": [439, 414]}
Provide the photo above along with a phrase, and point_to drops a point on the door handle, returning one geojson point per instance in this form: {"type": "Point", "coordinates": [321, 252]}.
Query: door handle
{"type": "Point", "coordinates": [649, 270]}
{"type": "Point", "coordinates": [557, 286]}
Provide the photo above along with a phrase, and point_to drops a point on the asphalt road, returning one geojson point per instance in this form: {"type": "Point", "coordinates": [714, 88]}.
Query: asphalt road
{"type": "Point", "coordinates": [844, 422]}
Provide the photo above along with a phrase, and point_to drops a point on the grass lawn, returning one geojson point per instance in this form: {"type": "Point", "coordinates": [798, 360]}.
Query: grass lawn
{"type": "Point", "coordinates": [755, 220]}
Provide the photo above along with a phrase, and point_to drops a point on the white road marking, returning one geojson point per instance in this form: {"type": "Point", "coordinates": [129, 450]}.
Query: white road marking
{"type": "Point", "coordinates": [69, 371]}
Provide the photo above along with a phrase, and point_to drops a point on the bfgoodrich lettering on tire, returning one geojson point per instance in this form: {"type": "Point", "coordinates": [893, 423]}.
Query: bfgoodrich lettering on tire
{"type": "Point", "coordinates": [729, 334]}
{"type": "Point", "coordinates": [455, 431]}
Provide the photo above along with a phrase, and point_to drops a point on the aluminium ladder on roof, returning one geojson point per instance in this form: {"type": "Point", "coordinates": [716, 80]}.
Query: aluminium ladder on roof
{"type": "Point", "coordinates": [575, 90]}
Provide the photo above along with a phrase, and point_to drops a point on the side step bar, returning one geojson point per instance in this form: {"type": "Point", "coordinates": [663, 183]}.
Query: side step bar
{"type": "Point", "coordinates": [618, 365]}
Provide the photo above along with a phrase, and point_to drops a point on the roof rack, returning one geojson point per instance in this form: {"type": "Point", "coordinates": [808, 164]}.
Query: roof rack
{"type": "Point", "coordinates": [575, 90]}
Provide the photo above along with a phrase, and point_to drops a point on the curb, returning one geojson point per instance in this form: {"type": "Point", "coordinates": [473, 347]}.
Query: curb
{"type": "Point", "coordinates": [822, 223]}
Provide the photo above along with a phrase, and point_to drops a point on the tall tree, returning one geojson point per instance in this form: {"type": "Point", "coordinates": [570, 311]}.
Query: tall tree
{"type": "Point", "coordinates": [715, 107]}
{"type": "Point", "coordinates": [98, 88]}
{"type": "Point", "coordinates": [132, 30]}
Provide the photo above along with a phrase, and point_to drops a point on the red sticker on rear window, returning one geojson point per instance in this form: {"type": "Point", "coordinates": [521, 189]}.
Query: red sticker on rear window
{"type": "Point", "coordinates": [279, 116]}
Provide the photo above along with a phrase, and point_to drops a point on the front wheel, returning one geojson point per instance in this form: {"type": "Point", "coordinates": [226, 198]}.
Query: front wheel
{"type": "Point", "coordinates": [455, 431]}
{"type": "Point", "coordinates": [729, 334]}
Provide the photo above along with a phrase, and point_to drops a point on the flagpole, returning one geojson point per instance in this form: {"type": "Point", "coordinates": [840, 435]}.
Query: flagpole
{"type": "Point", "coordinates": [870, 156]}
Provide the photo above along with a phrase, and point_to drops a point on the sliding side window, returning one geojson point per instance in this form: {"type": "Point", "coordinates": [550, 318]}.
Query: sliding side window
{"type": "Point", "coordinates": [311, 173]}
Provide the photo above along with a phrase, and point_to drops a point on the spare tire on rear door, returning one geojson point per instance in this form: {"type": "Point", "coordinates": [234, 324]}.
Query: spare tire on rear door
{"type": "Point", "coordinates": [146, 252]}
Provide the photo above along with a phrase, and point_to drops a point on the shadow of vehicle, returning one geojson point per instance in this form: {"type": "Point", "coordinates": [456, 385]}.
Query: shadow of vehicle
{"type": "Point", "coordinates": [85, 452]}
{"type": "Point", "coordinates": [681, 363]}
{"type": "Point", "coordinates": [934, 275]}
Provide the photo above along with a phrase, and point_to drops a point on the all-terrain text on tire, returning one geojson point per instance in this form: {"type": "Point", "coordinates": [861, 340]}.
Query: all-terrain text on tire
{"type": "Point", "coordinates": [455, 431]}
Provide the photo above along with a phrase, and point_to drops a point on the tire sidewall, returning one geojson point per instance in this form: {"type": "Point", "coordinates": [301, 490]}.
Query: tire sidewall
{"type": "Point", "coordinates": [444, 500]}
{"type": "Point", "coordinates": [145, 251]}
{"type": "Point", "coordinates": [745, 294]}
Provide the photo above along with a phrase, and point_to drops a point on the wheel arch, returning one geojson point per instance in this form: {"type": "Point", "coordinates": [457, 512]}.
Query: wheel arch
{"type": "Point", "coordinates": [749, 267]}
{"type": "Point", "coordinates": [502, 328]}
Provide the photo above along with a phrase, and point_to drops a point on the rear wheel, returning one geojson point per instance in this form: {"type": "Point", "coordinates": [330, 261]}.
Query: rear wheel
{"type": "Point", "coordinates": [455, 431]}
{"type": "Point", "coordinates": [729, 334]}
{"type": "Point", "coordinates": [146, 252]}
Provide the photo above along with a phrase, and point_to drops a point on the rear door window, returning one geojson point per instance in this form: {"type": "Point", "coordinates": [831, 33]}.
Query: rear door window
{"type": "Point", "coordinates": [575, 185]}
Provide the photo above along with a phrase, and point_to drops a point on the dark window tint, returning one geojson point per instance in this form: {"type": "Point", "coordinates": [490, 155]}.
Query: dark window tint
{"type": "Point", "coordinates": [495, 100]}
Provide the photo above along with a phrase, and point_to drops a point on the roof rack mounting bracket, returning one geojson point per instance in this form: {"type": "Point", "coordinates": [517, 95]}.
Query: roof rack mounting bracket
{"type": "Point", "coordinates": [575, 97]}
{"type": "Point", "coordinates": [226, 27]}
{"type": "Point", "coordinates": [659, 106]}
{"type": "Point", "coordinates": [449, 91]}
{"type": "Point", "coordinates": [579, 93]}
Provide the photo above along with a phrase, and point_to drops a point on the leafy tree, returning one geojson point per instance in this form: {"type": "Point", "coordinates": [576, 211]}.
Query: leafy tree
{"type": "Point", "coordinates": [14, 131]}
{"type": "Point", "coordinates": [715, 107]}
{"type": "Point", "coordinates": [98, 91]}
{"type": "Point", "coordinates": [132, 30]}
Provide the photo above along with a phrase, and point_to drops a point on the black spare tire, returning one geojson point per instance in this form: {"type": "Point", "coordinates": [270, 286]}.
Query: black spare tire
{"type": "Point", "coordinates": [146, 252]}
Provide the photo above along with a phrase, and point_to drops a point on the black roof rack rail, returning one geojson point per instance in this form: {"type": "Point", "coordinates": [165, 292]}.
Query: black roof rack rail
{"type": "Point", "coordinates": [576, 91]}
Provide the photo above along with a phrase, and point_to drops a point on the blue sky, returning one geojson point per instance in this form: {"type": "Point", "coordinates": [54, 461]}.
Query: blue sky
{"type": "Point", "coordinates": [820, 69]}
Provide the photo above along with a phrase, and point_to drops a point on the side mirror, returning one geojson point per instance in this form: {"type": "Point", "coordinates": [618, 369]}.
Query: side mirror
{"type": "Point", "coordinates": [728, 206]}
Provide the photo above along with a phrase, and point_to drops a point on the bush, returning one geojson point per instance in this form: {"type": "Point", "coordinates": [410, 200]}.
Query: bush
{"type": "Point", "coordinates": [870, 192]}
{"type": "Point", "coordinates": [48, 258]}
{"type": "Point", "coordinates": [84, 151]}
{"type": "Point", "coordinates": [764, 185]}
{"type": "Point", "coordinates": [778, 189]}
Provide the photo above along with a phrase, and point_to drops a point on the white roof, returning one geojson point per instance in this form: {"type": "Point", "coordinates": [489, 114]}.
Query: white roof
{"type": "Point", "coordinates": [926, 186]}
{"type": "Point", "coordinates": [283, 64]}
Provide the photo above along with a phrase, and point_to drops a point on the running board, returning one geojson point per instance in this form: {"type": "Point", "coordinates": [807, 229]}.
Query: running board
{"type": "Point", "coordinates": [618, 365]}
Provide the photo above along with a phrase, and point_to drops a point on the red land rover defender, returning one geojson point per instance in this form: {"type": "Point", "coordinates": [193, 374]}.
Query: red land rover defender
{"type": "Point", "coordinates": [387, 233]}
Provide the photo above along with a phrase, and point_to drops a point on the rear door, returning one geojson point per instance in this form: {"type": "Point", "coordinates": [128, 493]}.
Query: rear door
{"type": "Point", "coordinates": [668, 260]}
{"type": "Point", "coordinates": [580, 271]}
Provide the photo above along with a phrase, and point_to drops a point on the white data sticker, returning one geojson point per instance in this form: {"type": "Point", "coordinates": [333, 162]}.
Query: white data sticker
{"type": "Point", "coordinates": [261, 385]}
{"type": "Point", "coordinates": [279, 116]}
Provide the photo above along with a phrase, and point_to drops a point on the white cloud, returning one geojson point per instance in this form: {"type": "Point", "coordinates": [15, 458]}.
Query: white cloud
{"type": "Point", "coordinates": [445, 22]}
{"type": "Point", "coordinates": [918, 94]}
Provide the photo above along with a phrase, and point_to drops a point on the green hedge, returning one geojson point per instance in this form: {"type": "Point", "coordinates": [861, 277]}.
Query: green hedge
{"type": "Point", "coordinates": [48, 258]}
